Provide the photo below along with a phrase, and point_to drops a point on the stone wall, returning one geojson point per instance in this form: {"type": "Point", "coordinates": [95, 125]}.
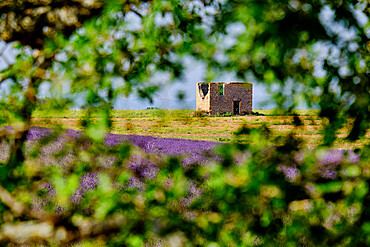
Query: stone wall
{"type": "Point", "coordinates": [214, 103]}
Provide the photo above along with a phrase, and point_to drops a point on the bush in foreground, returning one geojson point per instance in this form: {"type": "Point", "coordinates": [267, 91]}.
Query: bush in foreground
{"type": "Point", "coordinates": [242, 195]}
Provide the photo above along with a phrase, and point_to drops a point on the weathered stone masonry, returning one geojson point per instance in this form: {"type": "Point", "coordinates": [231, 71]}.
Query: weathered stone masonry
{"type": "Point", "coordinates": [221, 98]}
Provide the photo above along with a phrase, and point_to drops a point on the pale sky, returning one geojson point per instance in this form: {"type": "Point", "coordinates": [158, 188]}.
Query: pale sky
{"type": "Point", "coordinates": [167, 97]}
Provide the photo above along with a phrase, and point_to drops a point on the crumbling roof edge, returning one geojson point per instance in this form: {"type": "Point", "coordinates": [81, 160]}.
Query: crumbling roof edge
{"type": "Point", "coordinates": [224, 82]}
{"type": "Point", "coordinates": [238, 83]}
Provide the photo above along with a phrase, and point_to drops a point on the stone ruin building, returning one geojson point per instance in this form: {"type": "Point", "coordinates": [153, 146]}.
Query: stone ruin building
{"type": "Point", "coordinates": [221, 97]}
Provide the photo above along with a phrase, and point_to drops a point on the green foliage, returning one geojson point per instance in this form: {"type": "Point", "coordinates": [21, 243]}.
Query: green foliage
{"type": "Point", "coordinates": [287, 56]}
{"type": "Point", "coordinates": [223, 115]}
{"type": "Point", "coordinates": [89, 50]}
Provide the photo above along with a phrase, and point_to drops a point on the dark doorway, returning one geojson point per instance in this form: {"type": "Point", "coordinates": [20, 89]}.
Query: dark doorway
{"type": "Point", "coordinates": [236, 107]}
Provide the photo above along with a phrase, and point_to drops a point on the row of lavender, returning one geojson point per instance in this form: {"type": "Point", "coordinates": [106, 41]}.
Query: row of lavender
{"type": "Point", "coordinates": [192, 151]}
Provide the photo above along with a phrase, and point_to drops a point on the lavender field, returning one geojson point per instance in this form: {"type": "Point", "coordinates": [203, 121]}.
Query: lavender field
{"type": "Point", "coordinates": [46, 149]}
{"type": "Point", "coordinates": [191, 151]}
{"type": "Point", "coordinates": [170, 185]}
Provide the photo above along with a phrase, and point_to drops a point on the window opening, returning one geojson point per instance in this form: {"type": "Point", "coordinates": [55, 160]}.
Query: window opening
{"type": "Point", "coordinates": [203, 90]}
{"type": "Point", "coordinates": [221, 89]}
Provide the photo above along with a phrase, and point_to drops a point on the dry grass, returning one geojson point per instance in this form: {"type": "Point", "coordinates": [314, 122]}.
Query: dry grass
{"type": "Point", "coordinates": [182, 125]}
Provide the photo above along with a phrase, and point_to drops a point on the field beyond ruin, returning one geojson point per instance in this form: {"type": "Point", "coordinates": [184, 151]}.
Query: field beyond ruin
{"type": "Point", "coordinates": [185, 124]}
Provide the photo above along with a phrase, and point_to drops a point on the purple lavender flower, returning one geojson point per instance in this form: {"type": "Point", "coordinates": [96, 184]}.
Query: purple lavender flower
{"type": "Point", "coordinates": [194, 193]}
{"type": "Point", "coordinates": [36, 133]}
{"type": "Point", "coordinates": [143, 168]}
{"type": "Point", "coordinates": [77, 196]}
{"type": "Point", "coordinates": [89, 181]}
{"type": "Point", "coordinates": [135, 183]}
{"type": "Point", "coordinates": [59, 210]}
{"type": "Point", "coordinates": [299, 157]}
{"type": "Point", "coordinates": [241, 158]}
{"type": "Point", "coordinates": [189, 215]}
{"type": "Point", "coordinates": [352, 158]}
{"type": "Point", "coordinates": [168, 146]}
{"type": "Point", "coordinates": [310, 189]}
{"type": "Point", "coordinates": [48, 188]}
{"type": "Point", "coordinates": [291, 173]}
{"type": "Point", "coordinates": [332, 157]}
{"type": "Point", "coordinates": [4, 151]}
{"type": "Point", "coordinates": [194, 159]}
{"type": "Point", "coordinates": [327, 172]}
{"type": "Point", "coordinates": [39, 203]}
{"type": "Point", "coordinates": [68, 160]}
{"type": "Point", "coordinates": [106, 161]}
{"type": "Point", "coordinates": [168, 183]}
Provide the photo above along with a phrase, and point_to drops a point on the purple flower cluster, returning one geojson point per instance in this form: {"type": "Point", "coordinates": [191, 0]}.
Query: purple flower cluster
{"type": "Point", "coordinates": [193, 193]}
{"type": "Point", "coordinates": [143, 168]}
{"type": "Point", "coordinates": [36, 133]}
{"type": "Point", "coordinates": [290, 173]}
{"type": "Point", "coordinates": [331, 157]}
{"type": "Point", "coordinates": [193, 151]}
{"type": "Point", "coordinates": [135, 183]}
{"type": "Point", "coordinates": [168, 146]}
{"type": "Point", "coordinates": [89, 181]}
{"type": "Point", "coordinates": [4, 151]}
{"type": "Point", "coordinates": [336, 157]}
{"type": "Point", "coordinates": [48, 188]}
{"type": "Point", "coordinates": [328, 163]}
{"type": "Point", "coordinates": [328, 172]}
{"type": "Point", "coordinates": [39, 203]}
{"type": "Point", "coordinates": [106, 161]}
